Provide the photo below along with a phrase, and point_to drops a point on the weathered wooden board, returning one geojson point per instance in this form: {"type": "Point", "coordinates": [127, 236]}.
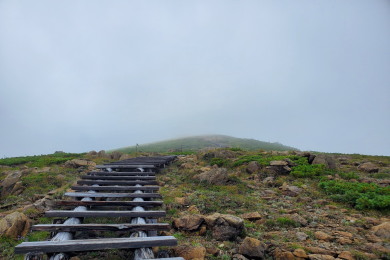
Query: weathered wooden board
{"type": "Point", "coordinates": [123, 173]}
{"type": "Point", "coordinates": [109, 203]}
{"type": "Point", "coordinates": [94, 244]}
{"type": "Point", "coordinates": [104, 213]}
{"type": "Point", "coordinates": [101, 227]}
{"type": "Point", "coordinates": [124, 178]}
{"type": "Point", "coordinates": [123, 183]}
{"type": "Point", "coordinates": [112, 195]}
{"type": "Point", "coordinates": [125, 166]}
{"type": "Point", "coordinates": [116, 188]}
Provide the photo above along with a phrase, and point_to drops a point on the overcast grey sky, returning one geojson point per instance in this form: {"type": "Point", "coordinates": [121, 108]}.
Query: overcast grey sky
{"type": "Point", "coordinates": [91, 75]}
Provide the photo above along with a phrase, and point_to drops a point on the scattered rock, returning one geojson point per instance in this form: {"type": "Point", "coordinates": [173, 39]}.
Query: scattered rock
{"type": "Point", "coordinates": [225, 227]}
{"type": "Point", "coordinates": [190, 252]}
{"type": "Point", "coordinates": [76, 163]}
{"type": "Point", "coordinates": [326, 160]}
{"type": "Point", "coordinates": [299, 252]}
{"type": "Point", "coordinates": [251, 216]}
{"type": "Point", "coordinates": [322, 236]}
{"type": "Point", "coordinates": [239, 257]}
{"type": "Point", "coordinates": [346, 255]}
{"type": "Point", "coordinates": [368, 167]}
{"type": "Point", "coordinates": [125, 156]}
{"type": "Point", "coordinates": [252, 248]}
{"type": "Point", "coordinates": [301, 236]}
{"type": "Point", "coordinates": [278, 168]}
{"type": "Point", "coordinates": [188, 222]}
{"type": "Point", "coordinates": [382, 230]}
{"type": "Point", "coordinates": [320, 257]}
{"type": "Point", "coordinates": [269, 181]}
{"type": "Point", "coordinates": [253, 167]}
{"type": "Point", "coordinates": [116, 155]}
{"type": "Point", "coordinates": [216, 176]}
{"type": "Point", "coordinates": [181, 201]}
{"type": "Point", "coordinates": [299, 219]}
{"type": "Point", "coordinates": [283, 255]}
{"type": "Point", "coordinates": [15, 225]}
{"type": "Point", "coordinates": [9, 182]}
{"type": "Point", "coordinates": [290, 190]}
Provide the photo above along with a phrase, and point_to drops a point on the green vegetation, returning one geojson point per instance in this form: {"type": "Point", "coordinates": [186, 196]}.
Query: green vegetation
{"type": "Point", "coordinates": [358, 195]}
{"type": "Point", "coordinates": [40, 160]}
{"type": "Point", "coordinates": [197, 143]}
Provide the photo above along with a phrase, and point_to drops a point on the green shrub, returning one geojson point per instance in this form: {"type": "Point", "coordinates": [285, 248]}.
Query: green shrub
{"type": "Point", "coordinates": [286, 222]}
{"type": "Point", "coordinates": [358, 195]}
{"type": "Point", "coordinates": [218, 161]}
{"type": "Point", "coordinates": [308, 171]}
{"type": "Point", "coordinates": [40, 160]}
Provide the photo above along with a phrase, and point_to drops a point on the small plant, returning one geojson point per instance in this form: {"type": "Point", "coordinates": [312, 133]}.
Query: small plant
{"type": "Point", "coordinates": [218, 161]}
{"type": "Point", "coordinates": [286, 222]}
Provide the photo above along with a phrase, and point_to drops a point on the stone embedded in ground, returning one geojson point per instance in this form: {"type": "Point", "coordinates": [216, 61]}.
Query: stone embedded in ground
{"type": "Point", "coordinates": [368, 167]}
{"type": "Point", "coordinates": [252, 248]}
{"type": "Point", "coordinates": [301, 236]}
{"type": "Point", "coordinates": [239, 257]}
{"type": "Point", "coordinates": [382, 230]}
{"type": "Point", "coordinates": [15, 225]}
{"type": "Point", "coordinates": [290, 190]}
{"type": "Point", "coordinates": [299, 252]}
{"type": "Point", "coordinates": [224, 227]}
{"type": "Point", "coordinates": [216, 176]}
{"type": "Point", "coordinates": [190, 252]}
{"type": "Point", "coordinates": [188, 222]}
{"type": "Point", "coordinates": [9, 182]}
{"type": "Point", "coordinates": [253, 167]}
{"type": "Point", "coordinates": [76, 163]}
{"type": "Point", "coordinates": [346, 255]}
{"type": "Point", "coordinates": [322, 236]}
{"type": "Point", "coordinates": [320, 257]}
{"type": "Point", "coordinates": [251, 216]}
{"type": "Point", "coordinates": [283, 255]}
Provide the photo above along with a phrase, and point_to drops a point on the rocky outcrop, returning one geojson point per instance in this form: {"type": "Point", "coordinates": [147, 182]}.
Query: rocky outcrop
{"type": "Point", "coordinates": [9, 183]}
{"type": "Point", "coordinates": [382, 230]}
{"type": "Point", "coordinates": [368, 167]}
{"type": "Point", "coordinates": [216, 176]}
{"type": "Point", "coordinates": [15, 225]}
{"type": "Point", "coordinates": [252, 248]}
{"type": "Point", "coordinates": [278, 168]}
{"type": "Point", "coordinates": [326, 160]}
{"type": "Point", "coordinates": [224, 226]}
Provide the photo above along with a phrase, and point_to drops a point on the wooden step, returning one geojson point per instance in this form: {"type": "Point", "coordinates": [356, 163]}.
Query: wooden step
{"type": "Point", "coordinates": [122, 173]}
{"type": "Point", "coordinates": [123, 183]}
{"type": "Point", "coordinates": [100, 227]}
{"type": "Point", "coordinates": [124, 178]}
{"type": "Point", "coordinates": [104, 213]}
{"type": "Point", "coordinates": [116, 188]}
{"type": "Point", "coordinates": [94, 244]}
{"type": "Point", "coordinates": [112, 195]}
{"type": "Point", "coordinates": [125, 166]}
{"type": "Point", "coordinates": [109, 203]}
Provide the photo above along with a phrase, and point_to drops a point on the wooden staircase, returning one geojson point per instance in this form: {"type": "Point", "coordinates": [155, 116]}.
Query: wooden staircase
{"type": "Point", "coordinates": [124, 184]}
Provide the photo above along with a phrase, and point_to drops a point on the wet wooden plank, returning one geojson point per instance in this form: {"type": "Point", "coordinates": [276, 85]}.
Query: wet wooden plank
{"type": "Point", "coordinates": [94, 244]}
{"type": "Point", "coordinates": [115, 188]}
{"type": "Point", "coordinates": [104, 213]}
{"type": "Point", "coordinates": [109, 203]}
{"type": "Point", "coordinates": [125, 166]}
{"type": "Point", "coordinates": [100, 227]}
{"type": "Point", "coordinates": [112, 195]}
{"type": "Point", "coordinates": [122, 173]}
{"type": "Point", "coordinates": [123, 183]}
{"type": "Point", "coordinates": [124, 178]}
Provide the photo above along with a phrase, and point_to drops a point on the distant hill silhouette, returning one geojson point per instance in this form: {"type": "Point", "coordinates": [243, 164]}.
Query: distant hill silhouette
{"type": "Point", "coordinates": [195, 143]}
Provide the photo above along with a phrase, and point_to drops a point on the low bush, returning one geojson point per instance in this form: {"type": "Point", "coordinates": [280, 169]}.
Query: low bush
{"type": "Point", "coordinates": [358, 195]}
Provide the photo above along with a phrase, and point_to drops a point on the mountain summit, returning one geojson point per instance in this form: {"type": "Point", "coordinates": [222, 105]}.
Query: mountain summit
{"type": "Point", "coordinates": [195, 143]}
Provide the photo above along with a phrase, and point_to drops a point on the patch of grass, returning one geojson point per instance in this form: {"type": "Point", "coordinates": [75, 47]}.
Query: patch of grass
{"type": "Point", "coordinates": [286, 222]}
{"type": "Point", "coordinates": [309, 171]}
{"type": "Point", "coordinates": [381, 175]}
{"type": "Point", "coordinates": [40, 160]}
{"type": "Point", "coordinates": [219, 161]}
{"type": "Point", "coordinates": [359, 195]}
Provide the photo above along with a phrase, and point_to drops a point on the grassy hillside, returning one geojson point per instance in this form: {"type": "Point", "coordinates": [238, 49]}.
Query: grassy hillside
{"type": "Point", "coordinates": [196, 143]}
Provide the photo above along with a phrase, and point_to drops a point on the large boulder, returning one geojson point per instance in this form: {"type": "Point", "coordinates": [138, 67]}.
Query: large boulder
{"type": "Point", "coordinates": [326, 160]}
{"type": "Point", "coordinates": [190, 252]}
{"type": "Point", "coordinates": [368, 167]}
{"type": "Point", "coordinates": [382, 230]}
{"type": "Point", "coordinates": [9, 183]}
{"type": "Point", "coordinates": [225, 227]}
{"type": "Point", "coordinates": [15, 225]}
{"type": "Point", "coordinates": [253, 167]}
{"type": "Point", "coordinates": [252, 248]}
{"type": "Point", "coordinates": [76, 163]}
{"type": "Point", "coordinates": [188, 222]}
{"type": "Point", "coordinates": [278, 168]}
{"type": "Point", "coordinates": [216, 176]}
